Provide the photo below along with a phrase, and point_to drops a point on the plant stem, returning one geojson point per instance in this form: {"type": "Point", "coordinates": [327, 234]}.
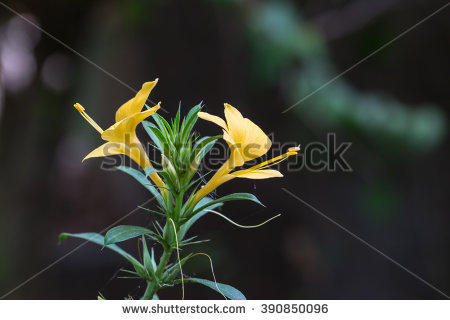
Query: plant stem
{"type": "Point", "coordinates": [150, 290]}
{"type": "Point", "coordinates": [153, 286]}
{"type": "Point", "coordinates": [163, 261]}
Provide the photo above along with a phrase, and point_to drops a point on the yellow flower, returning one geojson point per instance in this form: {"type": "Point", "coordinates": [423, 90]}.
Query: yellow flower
{"type": "Point", "coordinates": [121, 136]}
{"type": "Point", "coordinates": [247, 142]}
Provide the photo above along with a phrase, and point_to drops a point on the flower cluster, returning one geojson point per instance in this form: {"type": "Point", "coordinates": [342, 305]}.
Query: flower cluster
{"type": "Point", "coordinates": [175, 183]}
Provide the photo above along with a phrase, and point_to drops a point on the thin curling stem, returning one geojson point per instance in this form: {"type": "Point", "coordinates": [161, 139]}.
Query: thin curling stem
{"type": "Point", "coordinates": [240, 225]}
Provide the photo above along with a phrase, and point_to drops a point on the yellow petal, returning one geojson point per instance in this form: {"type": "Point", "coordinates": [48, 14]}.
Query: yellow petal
{"type": "Point", "coordinates": [124, 130]}
{"type": "Point", "coordinates": [236, 159]}
{"type": "Point", "coordinates": [226, 136]}
{"type": "Point", "coordinates": [250, 139]}
{"type": "Point", "coordinates": [217, 120]}
{"type": "Point", "coordinates": [107, 149]}
{"type": "Point", "coordinates": [258, 174]}
{"type": "Point", "coordinates": [256, 142]}
{"type": "Point", "coordinates": [141, 116]}
{"type": "Point", "coordinates": [236, 124]}
{"type": "Point", "coordinates": [221, 176]}
{"type": "Point", "coordinates": [135, 152]}
{"type": "Point", "coordinates": [135, 105]}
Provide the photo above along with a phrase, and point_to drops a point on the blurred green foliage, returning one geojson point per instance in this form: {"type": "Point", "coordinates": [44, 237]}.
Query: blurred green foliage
{"type": "Point", "coordinates": [379, 202]}
{"type": "Point", "coordinates": [285, 48]}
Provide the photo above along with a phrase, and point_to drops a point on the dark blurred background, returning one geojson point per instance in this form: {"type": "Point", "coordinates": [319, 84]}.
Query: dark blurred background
{"type": "Point", "coordinates": [262, 57]}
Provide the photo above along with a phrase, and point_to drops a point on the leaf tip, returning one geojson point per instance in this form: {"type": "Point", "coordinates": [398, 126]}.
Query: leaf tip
{"type": "Point", "coordinates": [62, 237]}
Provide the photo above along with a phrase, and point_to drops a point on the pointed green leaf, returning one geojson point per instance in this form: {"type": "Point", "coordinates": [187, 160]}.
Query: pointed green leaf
{"type": "Point", "coordinates": [140, 177]}
{"type": "Point", "coordinates": [204, 151]}
{"type": "Point", "coordinates": [176, 122]}
{"type": "Point", "coordinates": [163, 125]}
{"type": "Point", "coordinates": [172, 271]}
{"type": "Point", "coordinates": [148, 263]}
{"type": "Point", "coordinates": [230, 197]}
{"type": "Point", "coordinates": [202, 147]}
{"type": "Point", "coordinates": [153, 260]}
{"type": "Point", "coordinates": [193, 112]}
{"type": "Point", "coordinates": [150, 128]}
{"type": "Point", "coordinates": [202, 203]}
{"type": "Point", "coordinates": [227, 290]}
{"type": "Point", "coordinates": [99, 239]}
{"type": "Point", "coordinates": [200, 143]}
{"type": "Point", "coordinates": [122, 233]}
{"type": "Point", "coordinates": [190, 121]}
{"type": "Point", "coordinates": [150, 170]}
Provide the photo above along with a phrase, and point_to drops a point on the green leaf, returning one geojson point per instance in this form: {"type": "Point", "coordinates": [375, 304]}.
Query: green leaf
{"type": "Point", "coordinates": [122, 233]}
{"type": "Point", "coordinates": [200, 143]}
{"type": "Point", "coordinates": [202, 203]}
{"type": "Point", "coordinates": [176, 122]}
{"type": "Point", "coordinates": [163, 125]}
{"type": "Point", "coordinates": [202, 146]}
{"type": "Point", "coordinates": [227, 290]}
{"type": "Point", "coordinates": [153, 260]}
{"type": "Point", "coordinates": [193, 112]}
{"type": "Point", "coordinates": [149, 262]}
{"type": "Point", "coordinates": [99, 239]}
{"type": "Point", "coordinates": [230, 197]}
{"type": "Point", "coordinates": [172, 271]}
{"type": "Point", "coordinates": [190, 121]}
{"type": "Point", "coordinates": [204, 150]}
{"type": "Point", "coordinates": [152, 211]}
{"type": "Point", "coordinates": [197, 182]}
{"type": "Point", "coordinates": [161, 135]}
{"type": "Point", "coordinates": [149, 171]}
{"type": "Point", "coordinates": [190, 241]}
{"type": "Point", "coordinates": [140, 177]}
{"type": "Point", "coordinates": [150, 128]}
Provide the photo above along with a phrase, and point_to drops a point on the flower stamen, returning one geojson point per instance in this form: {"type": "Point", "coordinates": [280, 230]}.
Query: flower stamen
{"type": "Point", "coordinates": [81, 109]}
{"type": "Point", "coordinates": [291, 152]}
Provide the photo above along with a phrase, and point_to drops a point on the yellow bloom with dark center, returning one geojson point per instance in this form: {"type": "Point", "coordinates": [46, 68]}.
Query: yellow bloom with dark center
{"type": "Point", "coordinates": [121, 137]}
{"type": "Point", "coordinates": [247, 142]}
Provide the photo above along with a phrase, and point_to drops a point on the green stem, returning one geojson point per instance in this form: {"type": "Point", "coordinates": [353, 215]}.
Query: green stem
{"type": "Point", "coordinates": [153, 286]}
{"type": "Point", "coordinates": [150, 291]}
{"type": "Point", "coordinates": [163, 261]}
